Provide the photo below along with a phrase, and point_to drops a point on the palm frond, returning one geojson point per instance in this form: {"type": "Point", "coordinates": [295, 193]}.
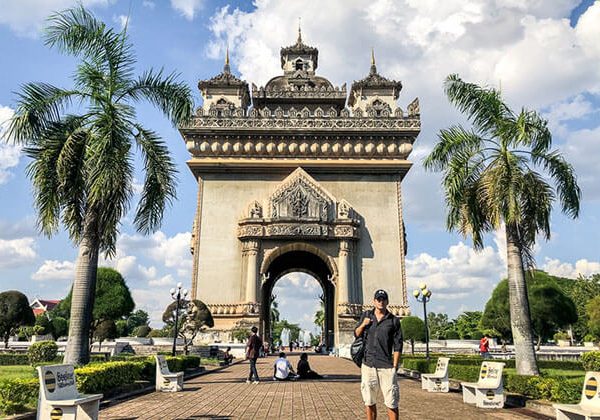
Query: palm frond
{"type": "Point", "coordinates": [172, 97]}
{"type": "Point", "coordinates": [451, 141]}
{"type": "Point", "coordinates": [159, 184]}
{"type": "Point", "coordinates": [563, 174]}
{"type": "Point", "coordinates": [39, 106]}
{"type": "Point", "coordinates": [483, 106]}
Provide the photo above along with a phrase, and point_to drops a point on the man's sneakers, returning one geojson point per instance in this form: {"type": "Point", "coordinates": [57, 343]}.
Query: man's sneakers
{"type": "Point", "coordinates": [255, 382]}
{"type": "Point", "coordinates": [247, 381]}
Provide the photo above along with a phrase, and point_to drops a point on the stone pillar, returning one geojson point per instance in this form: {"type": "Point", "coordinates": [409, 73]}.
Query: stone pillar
{"type": "Point", "coordinates": [251, 251]}
{"type": "Point", "coordinates": [344, 272]}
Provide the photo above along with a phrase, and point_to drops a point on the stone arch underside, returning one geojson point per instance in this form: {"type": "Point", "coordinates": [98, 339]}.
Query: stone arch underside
{"type": "Point", "coordinates": [292, 258]}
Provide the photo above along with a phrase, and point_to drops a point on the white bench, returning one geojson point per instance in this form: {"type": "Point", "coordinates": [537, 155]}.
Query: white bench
{"type": "Point", "coordinates": [59, 397]}
{"type": "Point", "coordinates": [589, 406]}
{"type": "Point", "coordinates": [437, 381]}
{"type": "Point", "coordinates": [165, 380]}
{"type": "Point", "coordinates": [488, 391]}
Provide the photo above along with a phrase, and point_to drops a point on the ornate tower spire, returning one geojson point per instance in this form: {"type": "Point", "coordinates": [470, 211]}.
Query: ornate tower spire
{"type": "Point", "coordinates": [299, 41]}
{"type": "Point", "coordinates": [226, 67]}
{"type": "Point", "coordinates": [373, 66]}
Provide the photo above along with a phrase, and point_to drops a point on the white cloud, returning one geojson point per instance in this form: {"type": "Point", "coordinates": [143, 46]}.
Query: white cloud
{"type": "Point", "coordinates": [14, 229]}
{"type": "Point", "coordinates": [149, 4]}
{"type": "Point", "coordinates": [9, 153]}
{"type": "Point", "coordinates": [582, 267]}
{"type": "Point", "coordinates": [153, 301]}
{"type": "Point", "coordinates": [26, 17]}
{"type": "Point", "coordinates": [122, 20]}
{"type": "Point", "coordinates": [188, 8]}
{"type": "Point", "coordinates": [163, 281]}
{"type": "Point", "coordinates": [17, 252]}
{"type": "Point", "coordinates": [580, 150]}
{"type": "Point", "coordinates": [55, 270]}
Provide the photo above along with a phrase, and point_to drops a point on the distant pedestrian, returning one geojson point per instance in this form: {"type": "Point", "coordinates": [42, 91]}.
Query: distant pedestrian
{"type": "Point", "coordinates": [228, 357]}
{"type": "Point", "coordinates": [304, 370]}
{"type": "Point", "coordinates": [282, 369]}
{"type": "Point", "coordinates": [383, 347]}
{"type": "Point", "coordinates": [484, 347]}
{"type": "Point", "coordinates": [253, 347]}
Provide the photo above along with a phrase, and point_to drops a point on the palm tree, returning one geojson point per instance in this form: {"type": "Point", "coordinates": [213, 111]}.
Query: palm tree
{"type": "Point", "coordinates": [81, 166]}
{"type": "Point", "coordinates": [491, 179]}
{"type": "Point", "coordinates": [320, 317]}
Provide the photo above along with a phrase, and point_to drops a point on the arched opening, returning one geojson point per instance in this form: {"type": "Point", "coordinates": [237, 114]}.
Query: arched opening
{"type": "Point", "coordinates": [298, 261]}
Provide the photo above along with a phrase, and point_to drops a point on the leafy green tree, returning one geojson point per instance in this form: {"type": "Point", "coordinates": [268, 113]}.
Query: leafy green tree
{"type": "Point", "coordinates": [137, 319]}
{"type": "Point", "coordinates": [492, 181]}
{"type": "Point", "coordinates": [82, 163]}
{"type": "Point", "coordinates": [279, 326]}
{"type": "Point", "coordinates": [593, 313]}
{"type": "Point", "coordinates": [194, 316]}
{"type": "Point", "coordinates": [438, 325]}
{"type": "Point", "coordinates": [551, 308]}
{"type": "Point", "coordinates": [15, 312]}
{"type": "Point", "coordinates": [60, 327]}
{"type": "Point", "coordinates": [122, 330]}
{"type": "Point", "coordinates": [112, 299]}
{"type": "Point", "coordinates": [413, 329]}
{"type": "Point", "coordinates": [319, 319]}
{"type": "Point", "coordinates": [44, 325]}
{"type": "Point", "coordinates": [467, 324]}
{"type": "Point", "coordinates": [581, 291]}
{"type": "Point", "coordinates": [141, 331]}
{"type": "Point", "coordinates": [104, 331]}
{"type": "Point", "coordinates": [240, 334]}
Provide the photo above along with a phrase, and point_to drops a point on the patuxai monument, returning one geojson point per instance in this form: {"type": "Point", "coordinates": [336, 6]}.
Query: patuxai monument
{"type": "Point", "coordinates": [299, 176]}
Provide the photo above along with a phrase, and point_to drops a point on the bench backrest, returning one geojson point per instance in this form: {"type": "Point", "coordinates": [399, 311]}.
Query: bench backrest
{"type": "Point", "coordinates": [57, 382]}
{"type": "Point", "coordinates": [442, 366]}
{"type": "Point", "coordinates": [490, 374]}
{"type": "Point", "coordinates": [590, 395]}
{"type": "Point", "coordinates": [161, 364]}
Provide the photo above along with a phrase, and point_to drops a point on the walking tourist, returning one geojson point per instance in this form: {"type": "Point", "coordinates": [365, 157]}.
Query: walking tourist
{"type": "Point", "coordinates": [304, 370]}
{"type": "Point", "coordinates": [282, 369]}
{"type": "Point", "coordinates": [484, 347]}
{"type": "Point", "coordinates": [253, 347]}
{"type": "Point", "coordinates": [383, 346]}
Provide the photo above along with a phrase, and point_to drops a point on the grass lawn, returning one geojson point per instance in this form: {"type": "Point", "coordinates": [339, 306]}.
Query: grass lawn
{"type": "Point", "coordinates": [17, 371]}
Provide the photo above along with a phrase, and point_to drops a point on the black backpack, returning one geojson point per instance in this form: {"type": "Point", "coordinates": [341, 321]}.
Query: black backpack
{"type": "Point", "coordinates": [357, 349]}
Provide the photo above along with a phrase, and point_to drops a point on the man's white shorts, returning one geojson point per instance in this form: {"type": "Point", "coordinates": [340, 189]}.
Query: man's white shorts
{"type": "Point", "coordinates": [374, 378]}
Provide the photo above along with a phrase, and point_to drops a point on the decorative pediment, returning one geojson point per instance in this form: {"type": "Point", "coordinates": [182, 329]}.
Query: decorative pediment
{"type": "Point", "coordinates": [301, 197]}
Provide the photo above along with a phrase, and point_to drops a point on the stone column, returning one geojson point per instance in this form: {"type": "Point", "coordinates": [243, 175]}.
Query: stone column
{"type": "Point", "coordinates": [344, 271]}
{"type": "Point", "coordinates": [251, 251]}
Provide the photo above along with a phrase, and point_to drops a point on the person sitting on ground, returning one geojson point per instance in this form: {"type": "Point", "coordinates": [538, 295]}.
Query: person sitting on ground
{"type": "Point", "coordinates": [304, 370]}
{"type": "Point", "coordinates": [282, 369]}
{"type": "Point", "coordinates": [228, 357]}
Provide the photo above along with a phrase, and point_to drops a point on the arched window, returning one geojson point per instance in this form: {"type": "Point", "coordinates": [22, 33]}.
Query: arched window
{"type": "Point", "coordinates": [299, 65]}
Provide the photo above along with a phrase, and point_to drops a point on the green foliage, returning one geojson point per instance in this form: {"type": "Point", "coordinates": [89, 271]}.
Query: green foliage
{"type": "Point", "coordinates": [194, 316]}
{"type": "Point", "coordinates": [591, 361]}
{"type": "Point", "coordinates": [14, 313]}
{"type": "Point", "coordinates": [413, 329]}
{"type": "Point", "coordinates": [7, 359]}
{"type": "Point", "coordinates": [44, 324]}
{"type": "Point", "coordinates": [240, 334]}
{"type": "Point", "coordinates": [592, 309]}
{"type": "Point", "coordinates": [106, 378]}
{"type": "Point", "coordinates": [581, 291]}
{"type": "Point", "coordinates": [277, 327]}
{"type": "Point", "coordinates": [121, 325]}
{"type": "Point", "coordinates": [105, 330]}
{"type": "Point", "coordinates": [141, 331]}
{"type": "Point", "coordinates": [561, 335]}
{"type": "Point", "coordinates": [550, 308]}
{"type": "Point", "coordinates": [452, 335]}
{"type": "Point", "coordinates": [467, 324]}
{"type": "Point", "coordinates": [556, 389]}
{"type": "Point", "coordinates": [60, 327]}
{"type": "Point", "coordinates": [18, 395]}
{"type": "Point", "coordinates": [43, 351]}
{"type": "Point", "coordinates": [438, 325]}
{"type": "Point", "coordinates": [590, 338]}
{"type": "Point", "coordinates": [137, 319]}
{"type": "Point", "coordinates": [159, 333]}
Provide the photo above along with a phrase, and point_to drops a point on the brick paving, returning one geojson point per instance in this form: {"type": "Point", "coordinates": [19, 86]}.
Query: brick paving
{"type": "Point", "coordinates": [225, 395]}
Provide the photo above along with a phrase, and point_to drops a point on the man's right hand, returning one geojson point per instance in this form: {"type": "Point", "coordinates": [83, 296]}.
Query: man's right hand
{"type": "Point", "coordinates": [366, 322]}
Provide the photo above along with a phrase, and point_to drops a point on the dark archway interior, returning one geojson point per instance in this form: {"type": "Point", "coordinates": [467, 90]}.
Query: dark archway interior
{"type": "Point", "coordinates": [305, 262]}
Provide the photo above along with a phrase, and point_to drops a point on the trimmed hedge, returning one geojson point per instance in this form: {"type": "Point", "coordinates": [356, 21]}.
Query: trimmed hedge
{"type": "Point", "coordinates": [7, 359]}
{"type": "Point", "coordinates": [106, 378]}
{"type": "Point", "coordinates": [18, 395]}
{"type": "Point", "coordinates": [591, 361]}
{"type": "Point", "coordinates": [557, 389]}
{"type": "Point", "coordinates": [42, 352]}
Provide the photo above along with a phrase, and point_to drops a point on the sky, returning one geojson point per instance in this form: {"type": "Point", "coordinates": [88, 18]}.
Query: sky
{"type": "Point", "coordinates": [542, 55]}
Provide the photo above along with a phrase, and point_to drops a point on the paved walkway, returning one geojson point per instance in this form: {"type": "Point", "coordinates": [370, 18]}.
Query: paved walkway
{"type": "Point", "coordinates": [225, 395]}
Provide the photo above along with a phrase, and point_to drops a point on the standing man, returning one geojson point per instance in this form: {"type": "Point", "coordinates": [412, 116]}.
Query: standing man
{"type": "Point", "coordinates": [484, 347]}
{"type": "Point", "coordinates": [253, 347]}
{"type": "Point", "coordinates": [383, 347]}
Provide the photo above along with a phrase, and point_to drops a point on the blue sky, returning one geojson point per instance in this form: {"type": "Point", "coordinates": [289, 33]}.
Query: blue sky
{"type": "Point", "coordinates": [542, 56]}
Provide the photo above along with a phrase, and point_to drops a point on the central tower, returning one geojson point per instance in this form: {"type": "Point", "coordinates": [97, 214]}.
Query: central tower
{"type": "Point", "coordinates": [290, 179]}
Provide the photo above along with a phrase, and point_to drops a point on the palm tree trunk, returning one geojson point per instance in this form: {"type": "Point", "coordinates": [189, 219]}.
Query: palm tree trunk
{"type": "Point", "coordinates": [82, 300]}
{"type": "Point", "coordinates": [520, 317]}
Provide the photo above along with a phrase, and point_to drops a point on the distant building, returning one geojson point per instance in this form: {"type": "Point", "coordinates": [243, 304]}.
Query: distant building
{"type": "Point", "coordinates": [41, 306]}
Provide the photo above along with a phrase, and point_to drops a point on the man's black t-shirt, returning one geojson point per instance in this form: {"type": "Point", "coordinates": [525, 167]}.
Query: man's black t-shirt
{"type": "Point", "coordinates": [383, 338]}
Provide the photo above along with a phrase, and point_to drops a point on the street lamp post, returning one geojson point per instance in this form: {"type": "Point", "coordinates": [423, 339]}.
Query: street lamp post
{"type": "Point", "coordinates": [177, 294]}
{"type": "Point", "coordinates": [423, 294]}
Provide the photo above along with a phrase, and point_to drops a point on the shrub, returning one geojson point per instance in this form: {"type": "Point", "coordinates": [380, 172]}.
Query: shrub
{"type": "Point", "coordinates": [142, 331]}
{"type": "Point", "coordinates": [44, 351]}
{"type": "Point", "coordinates": [590, 338]}
{"type": "Point", "coordinates": [17, 395]}
{"type": "Point", "coordinates": [452, 335]}
{"type": "Point", "coordinates": [106, 378]}
{"type": "Point", "coordinates": [158, 333]}
{"type": "Point", "coordinates": [13, 359]}
{"type": "Point", "coordinates": [591, 360]}
{"type": "Point", "coordinates": [561, 335]}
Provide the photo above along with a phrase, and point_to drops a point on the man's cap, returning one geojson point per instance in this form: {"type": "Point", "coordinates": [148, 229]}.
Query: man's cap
{"type": "Point", "coordinates": [381, 294]}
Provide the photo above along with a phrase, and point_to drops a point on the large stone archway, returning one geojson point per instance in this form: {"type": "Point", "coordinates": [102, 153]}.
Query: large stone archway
{"type": "Point", "coordinates": [299, 181]}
